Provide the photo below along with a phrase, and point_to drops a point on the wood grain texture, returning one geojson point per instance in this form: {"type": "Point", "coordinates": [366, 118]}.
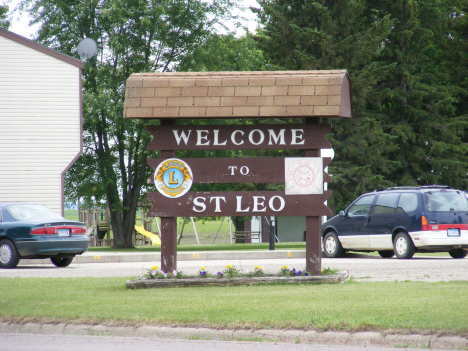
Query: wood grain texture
{"type": "Point", "coordinates": [250, 137]}
{"type": "Point", "coordinates": [232, 170]}
{"type": "Point", "coordinates": [239, 203]}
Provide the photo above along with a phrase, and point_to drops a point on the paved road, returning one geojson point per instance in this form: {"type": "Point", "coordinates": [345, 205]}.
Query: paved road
{"type": "Point", "coordinates": [368, 268]}
{"type": "Point", "coordinates": [37, 342]}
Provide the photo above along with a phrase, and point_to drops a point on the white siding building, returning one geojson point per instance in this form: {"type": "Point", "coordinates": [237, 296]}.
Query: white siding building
{"type": "Point", "coordinates": [40, 121]}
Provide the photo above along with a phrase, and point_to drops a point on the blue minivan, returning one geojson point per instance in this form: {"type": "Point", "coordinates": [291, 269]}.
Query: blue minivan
{"type": "Point", "coordinates": [401, 221]}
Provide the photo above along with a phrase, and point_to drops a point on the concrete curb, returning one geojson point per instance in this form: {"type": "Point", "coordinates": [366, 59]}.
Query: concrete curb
{"type": "Point", "coordinates": [287, 336]}
{"type": "Point", "coordinates": [106, 257]}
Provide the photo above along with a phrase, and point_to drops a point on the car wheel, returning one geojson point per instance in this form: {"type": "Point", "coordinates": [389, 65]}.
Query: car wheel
{"type": "Point", "coordinates": [332, 246]}
{"type": "Point", "coordinates": [458, 253]}
{"type": "Point", "coordinates": [403, 246]}
{"type": "Point", "coordinates": [9, 256]}
{"type": "Point", "coordinates": [386, 254]}
{"type": "Point", "coordinates": [61, 262]}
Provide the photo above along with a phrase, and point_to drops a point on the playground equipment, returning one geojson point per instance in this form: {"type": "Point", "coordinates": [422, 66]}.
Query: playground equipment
{"type": "Point", "coordinates": [97, 224]}
{"type": "Point", "coordinates": [144, 234]}
{"type": "Point", "coordinates": [155, 241]}
{"type": "Point", "coordinates": [230, 230]}
{"type": "Point", "coordinates": [98, 227]}
{"type": "Point", "coordinates": [188, 236]}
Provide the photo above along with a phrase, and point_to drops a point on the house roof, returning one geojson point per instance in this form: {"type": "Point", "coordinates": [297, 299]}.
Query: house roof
{"type": "Point", "coordinates": [239, 94]}
{"type": "Point", "coordinates": [31, 44]}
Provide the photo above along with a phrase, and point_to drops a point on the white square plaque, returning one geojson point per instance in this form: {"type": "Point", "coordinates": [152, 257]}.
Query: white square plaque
{"type": "Point", "coordinates": [303, 175]}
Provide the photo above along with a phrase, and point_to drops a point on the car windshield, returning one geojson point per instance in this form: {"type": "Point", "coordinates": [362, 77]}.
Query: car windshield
{"type": "Point", "coordinates": [21, 212]}
{"type": "Point", "coordinates": [446, 201]}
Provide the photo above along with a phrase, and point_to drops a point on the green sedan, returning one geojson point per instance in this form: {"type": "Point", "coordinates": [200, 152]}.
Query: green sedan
{"type": "Point", "coordinates": [29, 231]}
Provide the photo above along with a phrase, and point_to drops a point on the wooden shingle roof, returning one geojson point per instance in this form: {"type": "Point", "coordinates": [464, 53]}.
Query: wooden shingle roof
{"type": "Point", "coordinates": [238, 94]}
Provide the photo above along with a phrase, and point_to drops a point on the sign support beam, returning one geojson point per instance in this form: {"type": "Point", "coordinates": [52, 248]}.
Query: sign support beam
{"type": "Point", "coordinates": [313, 226]}
{"type": "Point", "coordinates": [168, 224]}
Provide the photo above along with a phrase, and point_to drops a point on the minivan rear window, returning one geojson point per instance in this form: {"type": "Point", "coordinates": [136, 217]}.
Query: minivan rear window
{"type": "Point", "coordinates": [446, 201]}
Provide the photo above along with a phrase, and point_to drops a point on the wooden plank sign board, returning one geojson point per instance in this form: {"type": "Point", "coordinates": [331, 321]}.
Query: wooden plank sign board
{"type": "Point", "coordinates": [236, 170]}
{"type": "Point", "coordinates": [245, 137]}
{"type": "Point", "coordinates": [239, 203]}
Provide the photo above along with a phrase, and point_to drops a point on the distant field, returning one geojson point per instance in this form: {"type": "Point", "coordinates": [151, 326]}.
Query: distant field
{"type": "Point", "coordinates": [206, 230]}
{"type": "Point", "coordinates": [71, 214]}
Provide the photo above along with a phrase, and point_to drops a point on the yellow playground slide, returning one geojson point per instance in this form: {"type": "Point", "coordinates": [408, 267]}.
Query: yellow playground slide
{"type": "Point", "coordinates": [154, 238]}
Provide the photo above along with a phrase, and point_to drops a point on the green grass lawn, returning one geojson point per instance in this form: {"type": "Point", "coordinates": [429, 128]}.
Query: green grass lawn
{"type": "Point", "coordinates": [405, 307]}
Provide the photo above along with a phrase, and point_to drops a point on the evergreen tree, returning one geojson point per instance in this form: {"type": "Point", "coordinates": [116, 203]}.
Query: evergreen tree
{"type": "Point", "coordinates": [417, 100]}
{"type": "Point", "coordinates": [317, 35]}
{"type": "Point", "coordinates": [405, 129]}
{"type": "Point", "coordinates": [455, 57]}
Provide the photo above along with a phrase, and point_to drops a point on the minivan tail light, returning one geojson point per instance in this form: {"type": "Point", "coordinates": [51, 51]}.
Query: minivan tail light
{"type": "Point", "coordinates": [54, 230]}
{"type": "Point", "coordinates": [424, 223]}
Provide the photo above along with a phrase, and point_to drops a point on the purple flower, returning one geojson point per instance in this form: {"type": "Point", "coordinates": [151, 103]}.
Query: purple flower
{"type": "Point", "coordinates": [299, 273]}
{"type": "Point", "coordinates": [220, 275]}
{"type": "Point", "coordinates": [306, 274]}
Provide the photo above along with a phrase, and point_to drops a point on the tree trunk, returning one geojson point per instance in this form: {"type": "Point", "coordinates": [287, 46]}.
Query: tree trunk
{"type": "Point", "coordinates": [239, 223]}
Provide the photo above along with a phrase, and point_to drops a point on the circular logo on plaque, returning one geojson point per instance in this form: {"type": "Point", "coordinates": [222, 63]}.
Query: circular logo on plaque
{"type": "Point", "coordinates": [304, 176]}
{"type": "Point", "coordinates": [173, 178]}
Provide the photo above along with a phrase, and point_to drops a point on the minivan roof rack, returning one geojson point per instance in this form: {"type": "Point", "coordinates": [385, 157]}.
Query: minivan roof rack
{"type": "Point", "coordinates": [402, 187]}
{"type": "Point", "coordinates": [419, 187]}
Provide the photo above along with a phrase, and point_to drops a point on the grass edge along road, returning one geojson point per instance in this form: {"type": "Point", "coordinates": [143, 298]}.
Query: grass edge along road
{"type": "Point", "coordinates": [402, 307]}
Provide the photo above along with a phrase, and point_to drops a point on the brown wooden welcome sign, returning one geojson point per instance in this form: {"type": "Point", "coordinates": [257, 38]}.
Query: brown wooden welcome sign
{"type": "Point", "coordinates": [237, 170]}
{"type": "Point", "coordinates": [251, 137]}
{"type": "Point", "coordinates": [305, 94]}
{"type": "Point", "coordinates": [239, 203]}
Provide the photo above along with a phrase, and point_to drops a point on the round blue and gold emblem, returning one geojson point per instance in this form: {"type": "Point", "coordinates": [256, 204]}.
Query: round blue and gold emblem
{"type": "Point", "coordinates": [173, 178]}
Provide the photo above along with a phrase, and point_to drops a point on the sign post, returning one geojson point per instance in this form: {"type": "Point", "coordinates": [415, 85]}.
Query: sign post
{"type": "Point", "coordinates": [168, 223]}
{"type": "Point", "coordinates": [313, 225]}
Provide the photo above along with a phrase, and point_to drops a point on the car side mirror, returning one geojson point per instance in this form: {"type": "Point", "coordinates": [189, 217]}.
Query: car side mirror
{"type": "Point", "coordinates": [342, 213]}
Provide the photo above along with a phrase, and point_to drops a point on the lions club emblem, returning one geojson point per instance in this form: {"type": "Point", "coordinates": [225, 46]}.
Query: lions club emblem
{"type": "Point", "coordinates": [173, 178]}
{"type": "Point", "coordinates": [304, 176]}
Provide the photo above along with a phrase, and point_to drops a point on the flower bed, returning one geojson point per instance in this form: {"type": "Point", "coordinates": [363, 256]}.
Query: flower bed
{"type": "Point", "coordinates": [232, 276]}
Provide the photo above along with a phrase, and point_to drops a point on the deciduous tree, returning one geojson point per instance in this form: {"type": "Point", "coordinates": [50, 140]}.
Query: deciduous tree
{"type": "Point", "coordinates": [132, 36]}
{"type": "Point", "coordinates": [4, 20]}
